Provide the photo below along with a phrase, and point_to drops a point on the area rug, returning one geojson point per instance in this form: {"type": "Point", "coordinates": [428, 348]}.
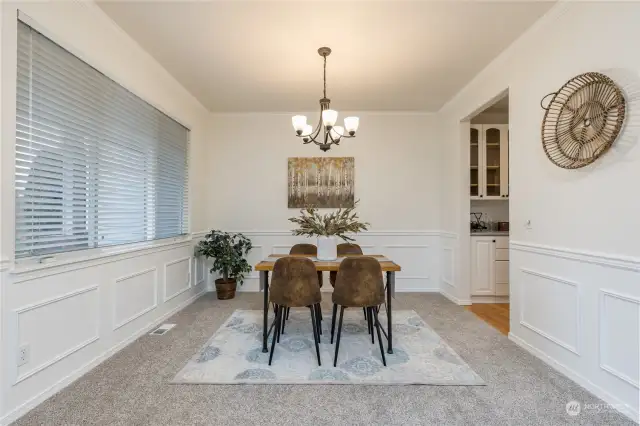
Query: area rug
{"type": "Point", "coordinates": [234, 354]}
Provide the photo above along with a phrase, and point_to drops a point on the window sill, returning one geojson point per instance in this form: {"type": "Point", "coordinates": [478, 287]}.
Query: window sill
{"type": "Point", "coordinates": [25, 266]}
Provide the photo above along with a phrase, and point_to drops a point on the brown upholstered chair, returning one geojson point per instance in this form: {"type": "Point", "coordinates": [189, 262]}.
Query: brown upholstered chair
{"type": "Point", "coordinates": [294, 284]}
{"type": "Point", "coordinates": [308, 250]}
{"type": "Point", "coordinates": [358, 284]}
{"type": "Point", "coordinates": [343, 249]}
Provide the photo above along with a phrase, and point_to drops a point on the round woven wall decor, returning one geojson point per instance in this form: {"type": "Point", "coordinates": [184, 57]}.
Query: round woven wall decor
{"type": "Point", "coordinates": [582, 120]}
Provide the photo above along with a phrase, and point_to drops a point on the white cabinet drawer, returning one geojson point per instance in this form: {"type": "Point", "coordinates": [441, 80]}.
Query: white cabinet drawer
{"type": "Point", "coordinates": [502, 272]}
{"type": "Point", "coordinates": [502, 254]}
{"type": "Point", "coordinates": [502, 242]}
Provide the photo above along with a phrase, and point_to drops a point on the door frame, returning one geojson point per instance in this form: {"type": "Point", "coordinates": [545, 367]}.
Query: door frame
{"type": "Point", "coordinates": [464, 240]}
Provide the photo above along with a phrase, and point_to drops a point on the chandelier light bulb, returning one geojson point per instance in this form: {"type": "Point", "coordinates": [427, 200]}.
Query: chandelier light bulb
{"type": "Point", "coordinates": [299, 122]}
{"type": "Point", "coordinates": [336, 132]}
{"type": "Point", "coordinates": [307, 130]}
{"type": "Point", "coordinates": [351, 124]}
{"type": "Point", "coordinates": [329, 117]}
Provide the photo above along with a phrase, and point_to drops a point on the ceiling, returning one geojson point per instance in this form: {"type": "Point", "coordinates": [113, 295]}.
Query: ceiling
{"type": "Point", "coordinates": [261, 55]}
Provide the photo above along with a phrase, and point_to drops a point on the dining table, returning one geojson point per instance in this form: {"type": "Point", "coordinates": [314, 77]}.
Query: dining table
{"type": "Point", "coordinates": [388, 266]}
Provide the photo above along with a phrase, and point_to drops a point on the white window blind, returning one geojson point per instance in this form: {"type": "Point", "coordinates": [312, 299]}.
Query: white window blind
{"type": "Point", "coordinates": [95, 164]}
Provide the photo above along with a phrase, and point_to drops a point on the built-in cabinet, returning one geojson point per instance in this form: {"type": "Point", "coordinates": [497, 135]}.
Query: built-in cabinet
{"type": "Point", "coordinates": [489, 266]}
{"type": "Point", "coordinates": [489, 155]}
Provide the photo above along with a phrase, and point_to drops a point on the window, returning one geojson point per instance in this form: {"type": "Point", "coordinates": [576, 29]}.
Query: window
{"type": "Point", "coordinates": [95, 164]}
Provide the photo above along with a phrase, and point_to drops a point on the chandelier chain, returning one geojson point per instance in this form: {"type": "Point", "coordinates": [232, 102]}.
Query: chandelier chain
{"type": "Point", "coordinates": [324, 77]}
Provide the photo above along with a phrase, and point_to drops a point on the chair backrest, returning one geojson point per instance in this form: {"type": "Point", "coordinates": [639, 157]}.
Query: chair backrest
{"type": "Point", "coordinates": [308, 249]}
{"type": "Point", "coordinates": [359, 282]}
{"type": "Point", "coordinates": [294, 282]}
{"type": "Point", "coordinates": [348, 248]}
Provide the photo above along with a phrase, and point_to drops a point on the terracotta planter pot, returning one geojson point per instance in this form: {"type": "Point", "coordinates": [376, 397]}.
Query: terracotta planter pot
{"type": "Point", "coordinates": [226, 289]}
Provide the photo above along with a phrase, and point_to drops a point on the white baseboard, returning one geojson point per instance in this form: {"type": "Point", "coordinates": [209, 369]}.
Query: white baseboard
{"type": "Point", "coordinates": [578, 378]}
{"type": "Point", "coordinates": [66, 381]}
{"type": "Point", "coordinates": [461, 302]}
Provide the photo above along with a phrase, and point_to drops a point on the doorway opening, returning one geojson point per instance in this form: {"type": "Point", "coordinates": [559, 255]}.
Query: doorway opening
{"type": "Point", "coordinates": [489, 213]}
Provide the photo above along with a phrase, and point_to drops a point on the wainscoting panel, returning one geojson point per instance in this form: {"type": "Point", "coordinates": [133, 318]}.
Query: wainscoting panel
{"type": "Point", "coordinates": [417, 252]}
{"type": "Point", "coordinates": [177, 277]}
{"type": "Point", "coordinates": [134, 296]}
{"type": "Point", "coordinates": [560, 299]}
{"type": "Point", "coordinates": [56, 328]}
{"type": "Point", "coordinates": [620, 336]}
{"type": "Point", "coordinates": [72, 315]}
{"type": "Point", "coordinates": [448, 265]}
{"type": "Point", "coordinates": [580, 312]}
{"type": "Point", "coordinates": [201, 270]}
{"type": "Point", "coordinates": [281, 248]}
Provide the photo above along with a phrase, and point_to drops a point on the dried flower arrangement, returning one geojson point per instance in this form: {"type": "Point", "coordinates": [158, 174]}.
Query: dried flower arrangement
{"type": "Point", "coordinates": [338, 223]}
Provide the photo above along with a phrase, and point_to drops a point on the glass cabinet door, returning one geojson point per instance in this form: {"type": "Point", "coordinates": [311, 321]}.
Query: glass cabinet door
{"type": "Point", "coordinates": [475, 163]}
{"type": "Point", "coordinates": [492, 155]}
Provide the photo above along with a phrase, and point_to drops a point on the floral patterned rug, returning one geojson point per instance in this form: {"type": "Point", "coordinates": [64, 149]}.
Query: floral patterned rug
{"type": "Point", "coordinates": [234, 355]}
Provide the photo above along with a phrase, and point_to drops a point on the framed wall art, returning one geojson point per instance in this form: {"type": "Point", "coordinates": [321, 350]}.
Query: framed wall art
{"type": "Point", "coordinates": [322, 182]}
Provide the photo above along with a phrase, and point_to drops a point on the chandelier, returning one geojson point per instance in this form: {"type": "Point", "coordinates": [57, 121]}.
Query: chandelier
{"type": "Point", "coordinates": [331, 134]}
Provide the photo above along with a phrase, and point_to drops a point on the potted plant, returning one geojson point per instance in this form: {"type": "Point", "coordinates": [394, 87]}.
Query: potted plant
{"type": "Point", "coordinates": [228, 251]}
{"type": "Point", "coordinates": [326, 228]}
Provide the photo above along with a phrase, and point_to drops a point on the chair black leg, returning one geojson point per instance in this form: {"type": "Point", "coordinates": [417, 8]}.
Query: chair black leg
{"type": "Point", "coordinates": [285, 310]}
{"type": "Point", "coordinates": [316, 335]}
{"type": "Point", "coordinates": [333, 321]}
{"type": "Point", "coordinates": [335, 358]}
{"type": "Point", "coordinates": [276, 331]}
{"type": "Point", "coordinates": [318, 319]}
{"type": "Point", "coordinates": [377, 324]}
{"type": "Point", "coordinates": [288, 310]}
{"type": "Point", "coordinates": [371, 321]}
{"type": "Point", "coordinates": [364, 311]}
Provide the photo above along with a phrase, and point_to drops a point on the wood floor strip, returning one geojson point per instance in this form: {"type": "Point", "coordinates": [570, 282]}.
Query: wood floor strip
{"type": "Point", "coordinates": [494, 314]}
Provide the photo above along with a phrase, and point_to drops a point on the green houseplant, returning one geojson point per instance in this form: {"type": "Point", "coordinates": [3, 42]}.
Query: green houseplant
{"type": "Point", "coordinates": [326, 228]}
{"type": "Point", "coordinates": [228, 251]}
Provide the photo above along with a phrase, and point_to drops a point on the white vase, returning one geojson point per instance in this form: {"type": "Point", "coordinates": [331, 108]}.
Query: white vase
{"type": "Point", "coordinates": [327, 248]}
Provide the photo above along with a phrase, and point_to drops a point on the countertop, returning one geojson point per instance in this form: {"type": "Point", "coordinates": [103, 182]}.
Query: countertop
{"type": "Point", "coordinates": [490, 233]}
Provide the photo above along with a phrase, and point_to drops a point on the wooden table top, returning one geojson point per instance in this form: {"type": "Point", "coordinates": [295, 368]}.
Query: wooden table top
{"type": "Point", "coordinates": [328, 265]}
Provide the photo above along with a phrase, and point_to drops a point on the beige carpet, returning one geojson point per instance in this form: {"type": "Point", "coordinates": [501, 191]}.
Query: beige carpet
{"type": "Point", "coordinates": [133, 387]}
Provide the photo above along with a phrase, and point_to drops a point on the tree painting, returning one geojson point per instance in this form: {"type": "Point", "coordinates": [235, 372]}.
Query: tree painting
{"type": "Point", "coordinates": [322, 182]}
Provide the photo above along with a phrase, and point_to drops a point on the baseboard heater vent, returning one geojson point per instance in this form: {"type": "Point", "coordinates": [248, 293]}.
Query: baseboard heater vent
{"type": "Point", "coordinates": [163, 329]}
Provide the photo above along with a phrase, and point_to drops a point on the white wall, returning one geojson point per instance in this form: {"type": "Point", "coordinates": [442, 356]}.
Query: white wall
{"type": "Point", "coordinates": [396, 167]}
{"type": "Point", "coordinates": [575, 274]}
{"type": "Point", "coordinates": [397, 179]}
{"type": "Point", "coordinates": [73, 315]}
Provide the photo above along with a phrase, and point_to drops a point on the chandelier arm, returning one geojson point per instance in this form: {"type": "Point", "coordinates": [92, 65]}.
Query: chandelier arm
{"type": "Point", "coordinates": [331, 137]}
{"type": "Point", "coordinates": [310, 140]}
{"type": "Point", "coordinates": [316, 132]}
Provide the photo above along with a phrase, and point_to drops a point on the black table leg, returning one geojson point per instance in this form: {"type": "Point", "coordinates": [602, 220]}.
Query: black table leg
{"type": "Point", "coordinates": [264, 286]}
{"type": "Point", "coordinates": [391, 283]}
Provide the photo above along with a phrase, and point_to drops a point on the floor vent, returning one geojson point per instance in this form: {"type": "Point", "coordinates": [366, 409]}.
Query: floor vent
{"type": "Point", "coordinates": [163, 329]}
